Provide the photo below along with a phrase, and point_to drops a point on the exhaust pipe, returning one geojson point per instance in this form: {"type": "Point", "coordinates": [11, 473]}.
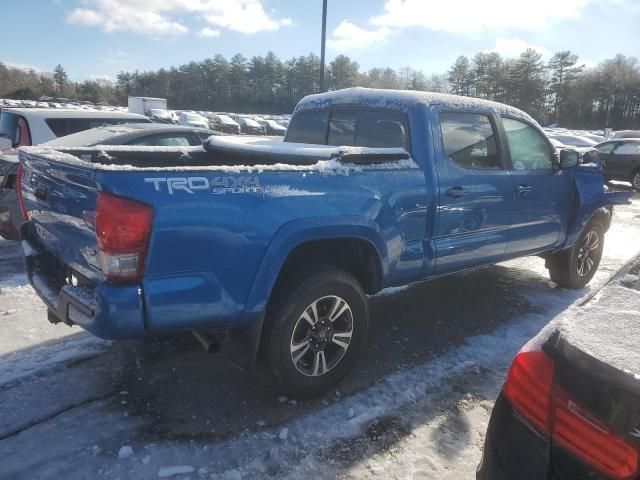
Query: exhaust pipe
{"type": "Point", "coordinates": [210, 343]}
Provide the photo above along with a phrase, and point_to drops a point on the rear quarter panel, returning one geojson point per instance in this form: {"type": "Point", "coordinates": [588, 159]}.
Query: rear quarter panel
{"type": "Point", "coordinates": [216, 248]}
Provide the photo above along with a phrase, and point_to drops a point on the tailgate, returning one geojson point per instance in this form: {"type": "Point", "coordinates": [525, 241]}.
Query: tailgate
{"type": "Point", "coordinates": [60, 199]}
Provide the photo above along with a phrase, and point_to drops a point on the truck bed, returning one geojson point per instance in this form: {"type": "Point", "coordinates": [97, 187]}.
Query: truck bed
{"type": "Point", "coordinates": [223, 217]}
{"type": "Point", "coordinates": [220, 153]}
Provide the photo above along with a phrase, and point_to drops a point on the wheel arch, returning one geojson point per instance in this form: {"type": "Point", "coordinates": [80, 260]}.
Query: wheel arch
{"type": "Point", "coordinates": [354, 244]}
{"type": "Point", "coordinates": [602, 214]}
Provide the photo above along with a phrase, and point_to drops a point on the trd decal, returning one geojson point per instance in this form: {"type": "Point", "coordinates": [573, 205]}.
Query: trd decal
{"type": "Point", "coordinates": [215, 185]}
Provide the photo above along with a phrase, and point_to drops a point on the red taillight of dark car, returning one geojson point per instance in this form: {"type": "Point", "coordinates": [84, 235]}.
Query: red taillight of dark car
{"type": "Point", "coordinates": [123, 227]}
{"type": "Point", "coordinates": [530, 390]}
{"type": "Point", "coordinates": [528, 387]}
{"type": "Point", "coordinates": [579, 432]}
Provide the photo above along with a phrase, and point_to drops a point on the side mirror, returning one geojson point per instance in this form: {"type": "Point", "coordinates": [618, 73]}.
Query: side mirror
{"type": "Point", "coordinates": [569, 158]}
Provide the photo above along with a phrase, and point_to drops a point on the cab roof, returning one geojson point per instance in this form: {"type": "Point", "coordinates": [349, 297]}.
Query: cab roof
{"type": "Point", "coordinates": [402, 100]}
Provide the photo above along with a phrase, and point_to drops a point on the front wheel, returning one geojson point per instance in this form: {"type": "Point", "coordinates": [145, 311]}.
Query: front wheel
{"type": "Point", "coordinates": [315, 327]}
{"type": "Point", "coordinates": [576, 266]}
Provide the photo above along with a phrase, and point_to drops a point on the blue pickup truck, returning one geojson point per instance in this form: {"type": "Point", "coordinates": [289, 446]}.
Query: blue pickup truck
{"type": "Point", "coordinates": [273, 246]}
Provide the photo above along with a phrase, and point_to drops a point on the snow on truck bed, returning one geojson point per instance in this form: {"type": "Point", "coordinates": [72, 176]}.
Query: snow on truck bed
{"type": "Point", "coordinates": [286, 156]}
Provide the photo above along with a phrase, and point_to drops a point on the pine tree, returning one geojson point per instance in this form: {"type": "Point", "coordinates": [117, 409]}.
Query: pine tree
{"type": "Point", "coordinates": [564, 71]}
{"type": "Point", "coordinates": [61, 79]}
{"type": "Point", "coordinates": [460, 76]}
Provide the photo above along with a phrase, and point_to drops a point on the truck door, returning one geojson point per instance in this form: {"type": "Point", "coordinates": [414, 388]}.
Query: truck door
{"type": "Point", "coordinates": [542, 195]}
{"type": "Point", "coordinates": [474, 190]}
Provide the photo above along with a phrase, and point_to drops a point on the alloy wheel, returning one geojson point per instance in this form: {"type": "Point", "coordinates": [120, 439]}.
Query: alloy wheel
{"type": "Point", "coordinates": [321, 336]}
{"type": "Point", "coordinates": [587, 255]}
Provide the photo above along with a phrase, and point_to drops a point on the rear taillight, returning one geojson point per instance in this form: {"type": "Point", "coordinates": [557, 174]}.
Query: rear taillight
{"type": "Point", "coordinates": [530, 390]}
{"type": "Point", "coordinates": [122, 227]}
{"type": "Point", "coordinates": [579, 432]}
{"type": "Point", "coordinates": [528, 387]}
{"type": "Point", "coordinates": [23, 209]}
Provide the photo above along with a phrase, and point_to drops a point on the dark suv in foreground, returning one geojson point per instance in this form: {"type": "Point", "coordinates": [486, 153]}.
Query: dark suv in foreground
{"type": "Point", "coordinates": [570, 406]}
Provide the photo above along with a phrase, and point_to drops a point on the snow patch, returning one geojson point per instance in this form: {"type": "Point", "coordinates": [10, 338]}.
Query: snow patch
{"type": "Point", "coordinates": [125, 452]}
{"type": "Point", "coordinates": [43, 358]}
{"type": "Point", "coordinates": [166, 472]}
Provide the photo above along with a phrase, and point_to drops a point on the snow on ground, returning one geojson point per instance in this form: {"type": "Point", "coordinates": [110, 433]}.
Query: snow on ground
{"type": "Point", "coordinates": [23, 324]}
{"type": "Point", "coordinates": [425, 421]}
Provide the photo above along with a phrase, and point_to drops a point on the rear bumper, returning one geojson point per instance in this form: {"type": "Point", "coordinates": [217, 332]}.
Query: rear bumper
{"type": "Point", "coordinates": [512, 450]}
{"type": "Point", "coordinates": [107, 311]}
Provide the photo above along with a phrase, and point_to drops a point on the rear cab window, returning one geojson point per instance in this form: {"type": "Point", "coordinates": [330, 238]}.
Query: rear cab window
{"type": "Point", "coordinates": [469, 140]}
{"type": "Point", "coordinates": [308, 127]}
{"type": "Point", "coordinates": [351, 127]}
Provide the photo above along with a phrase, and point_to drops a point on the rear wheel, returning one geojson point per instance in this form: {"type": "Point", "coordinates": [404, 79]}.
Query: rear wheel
{"type": "Point", "coordinates": [576, 266]}
{"type": "Point", "coordinates": [315, 327]}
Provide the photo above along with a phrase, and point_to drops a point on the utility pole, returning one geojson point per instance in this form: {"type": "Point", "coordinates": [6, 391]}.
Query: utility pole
{"type": "Point", "coordinates": [324, 39]}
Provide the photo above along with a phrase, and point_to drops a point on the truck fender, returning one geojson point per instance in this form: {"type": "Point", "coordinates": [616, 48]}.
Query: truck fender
{"type": "Point", "coordinates": [245, 338]}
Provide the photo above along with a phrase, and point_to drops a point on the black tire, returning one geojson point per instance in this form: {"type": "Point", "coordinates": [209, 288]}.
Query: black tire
{"type": "Point", "coordinates": [286, 324]}
{"type": "Point", "coordinates": [635, 180]}
{"type": "Point", "coordinates": [576, 266]}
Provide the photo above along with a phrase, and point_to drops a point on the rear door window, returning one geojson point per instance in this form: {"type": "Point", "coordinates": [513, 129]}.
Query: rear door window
{"type": "Point", "coordinates": [469, 140]}
{"type": "Point", "coordinates": [628, 148]}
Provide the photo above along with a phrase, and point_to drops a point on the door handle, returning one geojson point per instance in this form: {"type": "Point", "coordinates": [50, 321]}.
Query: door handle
{"type": "Point", "coordinates": [455, 192]}
{"type": "Point", "coordinates": [524, 189]}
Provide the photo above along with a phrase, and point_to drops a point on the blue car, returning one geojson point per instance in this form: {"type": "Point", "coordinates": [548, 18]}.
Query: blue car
{"type": "Point", "coordinates": [270, 248]}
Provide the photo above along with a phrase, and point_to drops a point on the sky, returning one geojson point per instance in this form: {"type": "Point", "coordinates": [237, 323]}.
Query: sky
{"type": "Point", "coordinates": [99, 38]}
